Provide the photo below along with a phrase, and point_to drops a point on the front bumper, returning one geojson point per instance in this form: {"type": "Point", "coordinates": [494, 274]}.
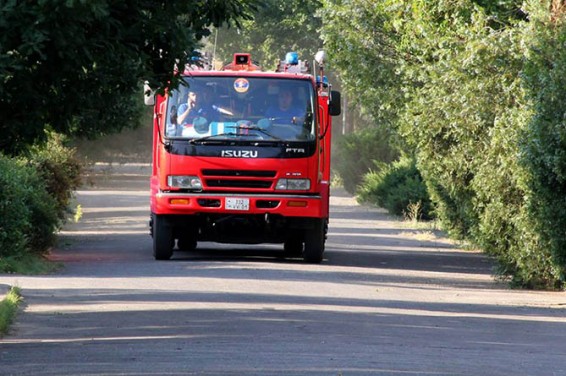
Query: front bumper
{"type": "Point", "coordinates": [287, 205]}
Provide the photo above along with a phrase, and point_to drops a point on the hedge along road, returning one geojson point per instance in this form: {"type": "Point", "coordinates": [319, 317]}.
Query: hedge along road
{"type": "Point", "coordinates": [387, 300]}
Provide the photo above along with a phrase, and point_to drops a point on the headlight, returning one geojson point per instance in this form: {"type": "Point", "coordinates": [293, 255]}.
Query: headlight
{"type": "Point", "coordinates": [184, 182]}
{"type": "Point", "coordinates": [293, 184]}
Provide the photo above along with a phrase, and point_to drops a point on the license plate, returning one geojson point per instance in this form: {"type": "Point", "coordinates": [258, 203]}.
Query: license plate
{"type": "Point", "coordinates": [237, 203]}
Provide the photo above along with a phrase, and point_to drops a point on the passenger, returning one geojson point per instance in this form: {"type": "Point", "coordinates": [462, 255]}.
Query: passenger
{"type": "Point", "coordinates": [198, 105]}
{"type": "Point", "coordinates": [286, 111]}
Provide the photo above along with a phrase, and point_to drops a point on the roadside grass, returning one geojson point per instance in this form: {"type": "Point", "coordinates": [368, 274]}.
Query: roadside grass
{"type": "Point", "coordinates": [29, 264]}
{"type": "Point", "coordinates": [431, 231]}
{"type": "Point", "coordinates": [427, 230]}
{"type": "Point", "coordinates": [418, 224]}
{"type": "Point", "coordinates": [8, 308]}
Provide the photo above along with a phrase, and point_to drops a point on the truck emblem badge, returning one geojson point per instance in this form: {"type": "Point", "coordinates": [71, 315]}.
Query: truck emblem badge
{"type": "Point", "coordinates": [241, 85]}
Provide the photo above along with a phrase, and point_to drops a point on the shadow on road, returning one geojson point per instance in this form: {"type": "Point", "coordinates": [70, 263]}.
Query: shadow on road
{"type": "Point", "coordinates": [258, 334]}
{"type": "Point", "coordinates": [114, 229]}
{"type": "Point", "coordinates": [386, 300]}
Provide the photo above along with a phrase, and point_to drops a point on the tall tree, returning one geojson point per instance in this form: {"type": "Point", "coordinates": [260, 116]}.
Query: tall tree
{"type": "Point", "coordinates": [473, 86]}
{"type": "Point", "coordinates": [74, 65]}
{"type": "Point", "coordinates": [277, 27]}
{"type": "Point", "coordinates": [361, 42]}
{"type": "Point", "coordinates": [543, 142]}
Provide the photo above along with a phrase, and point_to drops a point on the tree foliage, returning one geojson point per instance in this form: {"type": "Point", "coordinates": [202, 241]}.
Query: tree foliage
{"type": "Point", "coordinates": [276, 28]}
{"type": "Point", "coordinates": [473, 87]}
{"type": "Point", "coordinates": [75, 65]}
{"type": "Point", "coordinates": [361, 43]}
{"type": "Point", "coordinates": [28, 214]}
{"type": "Point", "coordinates": [543, 140]}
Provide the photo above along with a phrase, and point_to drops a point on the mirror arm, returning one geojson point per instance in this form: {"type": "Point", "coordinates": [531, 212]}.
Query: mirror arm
{"type": "Point", "coordinates": [324, 113]}
{"type": "Point", "coordinates": [158, 116]}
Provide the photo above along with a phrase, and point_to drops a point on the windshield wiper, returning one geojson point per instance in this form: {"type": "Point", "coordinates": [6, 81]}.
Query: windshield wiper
{"type": "Point", "coordinates": [204, 138]}
{"type": "Point", "coordinates": [234, 134]}
{"type": "Point", "coordinates": [261, 130]}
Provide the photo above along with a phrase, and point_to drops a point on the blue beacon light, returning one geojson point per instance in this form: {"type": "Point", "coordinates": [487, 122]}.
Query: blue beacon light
{"type": "Point", "coordinates": [292, 58]}
{"type": "Point", "coordinates": [324, 81]}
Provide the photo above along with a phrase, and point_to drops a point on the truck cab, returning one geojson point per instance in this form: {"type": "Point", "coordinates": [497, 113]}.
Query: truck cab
{"type": "Point", "coordinates": [242, 155]}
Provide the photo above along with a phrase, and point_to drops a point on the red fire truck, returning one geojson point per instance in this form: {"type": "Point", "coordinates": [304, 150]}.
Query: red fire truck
{"type": "Point", "coordinates": [242, 155]}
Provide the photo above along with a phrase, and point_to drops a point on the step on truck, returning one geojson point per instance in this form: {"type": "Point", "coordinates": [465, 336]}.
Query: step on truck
{"type": "Point", "coordinates": [242, 155]}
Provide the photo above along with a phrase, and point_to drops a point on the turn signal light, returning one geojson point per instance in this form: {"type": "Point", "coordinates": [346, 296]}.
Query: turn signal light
{"type": "Point", "coordinates": [179, 201]}
{"type": "Point", "coordinates": [297, 204]}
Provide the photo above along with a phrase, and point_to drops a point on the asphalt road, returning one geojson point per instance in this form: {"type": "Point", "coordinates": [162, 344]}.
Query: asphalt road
{"type": "Point", "coordinates": [388, 299]}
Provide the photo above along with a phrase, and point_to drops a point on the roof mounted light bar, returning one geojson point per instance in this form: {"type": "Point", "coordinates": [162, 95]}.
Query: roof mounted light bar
{"type": "Point", "coordinates": [198, 61]}
{"type": "Point", "coordinates": [292, 64]}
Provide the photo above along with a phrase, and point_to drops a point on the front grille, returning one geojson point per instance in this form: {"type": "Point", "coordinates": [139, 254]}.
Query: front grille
{"type": "Point", "coordinates": [209, 203]}
{"type": "Point", "coordinates": [227, 183]}
{"type": "Point", "coordinates": [266, 204]}
{"type": "Point", "coordinates": [243, 173]}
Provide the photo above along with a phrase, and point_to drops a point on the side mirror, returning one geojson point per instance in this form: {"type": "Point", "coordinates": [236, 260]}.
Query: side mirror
{"type": "Point", "coordinates": [334, 107]}
{"type": "Point", "coordinates": [148, 95]}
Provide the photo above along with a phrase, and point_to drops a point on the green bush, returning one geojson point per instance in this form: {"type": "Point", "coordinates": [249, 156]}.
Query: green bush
{"type": "Point", "coordinates": [59, 168]}
{"type": "Point", "coordinates": [28, 216]}
{"type": "Point", "coordinates": [543, 145]}
{"type": "Point", "coordinates": [490, 143]}
{"type": "Point", "coordinates": [483, 90]}
{"type": "Point", "coordinates": [35, 193]}
{"type": "Point", "coordinates": [14, 213]}
{"type": "Point", "coordinates": [355, 153]}
{"type": "Point", "coordinates": [399, 188]}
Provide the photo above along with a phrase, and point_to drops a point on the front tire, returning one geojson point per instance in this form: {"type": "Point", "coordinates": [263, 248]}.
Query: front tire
{"type": "Point", "coordinates": [314, 242]}
{"type": "Point", "coordinates": [293, 247]}
{"type": "Point", "coordinates": [163, 240]}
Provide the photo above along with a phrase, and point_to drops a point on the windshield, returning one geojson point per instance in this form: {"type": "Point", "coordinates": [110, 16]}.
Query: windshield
{"type": "Point", "coordinates": [238, 108]}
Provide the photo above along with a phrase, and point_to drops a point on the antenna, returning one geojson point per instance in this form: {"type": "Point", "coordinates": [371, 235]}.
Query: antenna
{"type": "Point", "coordinates": [214, 50]}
